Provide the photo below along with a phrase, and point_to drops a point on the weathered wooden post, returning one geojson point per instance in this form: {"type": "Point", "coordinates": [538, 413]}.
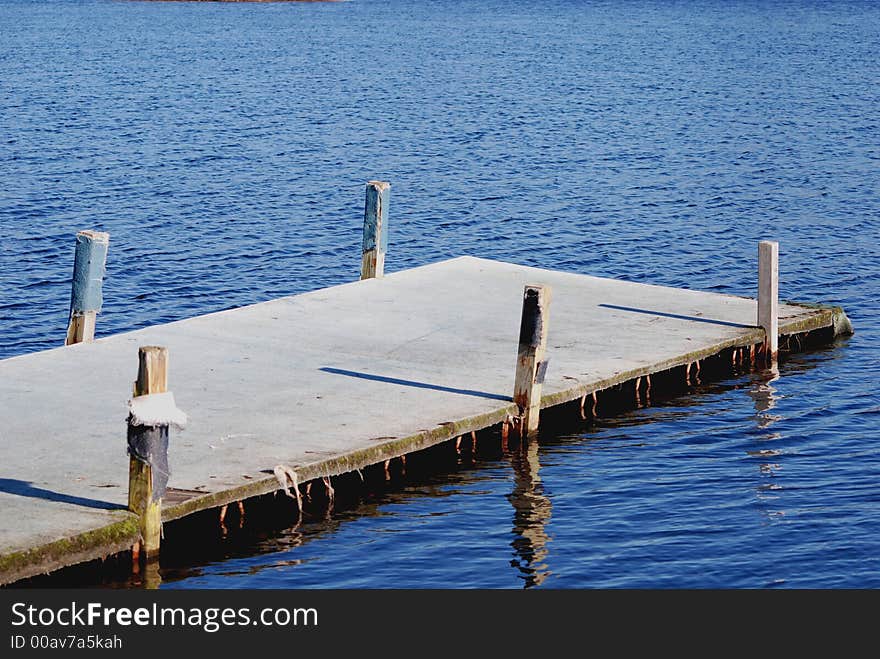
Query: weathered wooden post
{"type": "Point", "coordinates": [531, 365]}
{"type": "Point", "coordinates": [89, 262]}
{"type": "Point", "coordinates": [375, 230]}
{"type": "Point", "coordinates": [768, 296]}
{"type": "Point", "coordinates": [152, 412]}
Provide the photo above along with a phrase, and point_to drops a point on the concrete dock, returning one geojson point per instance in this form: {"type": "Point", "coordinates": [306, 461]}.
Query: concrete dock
{"type": "Point", "coordinates": [324, 382]}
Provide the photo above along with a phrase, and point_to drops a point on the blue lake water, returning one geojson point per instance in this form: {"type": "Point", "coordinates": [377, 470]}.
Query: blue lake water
{"type": "Point", "coordinates": [225, 146]}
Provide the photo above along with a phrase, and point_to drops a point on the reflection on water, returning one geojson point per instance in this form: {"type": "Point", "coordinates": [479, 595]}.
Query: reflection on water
{"type": "Point", "coordinates": [532, 512]}
{"type": "Point", "coordinates": [147, 576]}
{"type": "Point", "coordinates": [764, 395]}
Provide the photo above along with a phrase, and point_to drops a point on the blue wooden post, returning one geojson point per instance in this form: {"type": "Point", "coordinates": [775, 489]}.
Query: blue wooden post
{"type": "Point", "coordinates": [375, 230]}
{"type": "Point", "coordinates": [89, 263]}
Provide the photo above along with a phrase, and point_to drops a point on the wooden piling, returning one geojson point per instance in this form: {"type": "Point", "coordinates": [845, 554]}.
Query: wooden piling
{"type": "Point", "coordinates": [89, 263]}
{"type": "Point", "coordinates": [152, 378]}
{"type": "Point", "coordinates": [768, 296]}
{"type": "Point", "coordinates": [531, 364]}
{"type": "Point", "coordinates": [375, 230]}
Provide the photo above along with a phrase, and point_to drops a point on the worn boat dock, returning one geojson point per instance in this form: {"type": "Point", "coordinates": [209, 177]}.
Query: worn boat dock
{"type": "Point", "coordinates": [325, 383]}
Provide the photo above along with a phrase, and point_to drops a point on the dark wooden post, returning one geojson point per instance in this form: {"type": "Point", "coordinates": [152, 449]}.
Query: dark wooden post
{"type": "Point", "coordinates": [531, 364]}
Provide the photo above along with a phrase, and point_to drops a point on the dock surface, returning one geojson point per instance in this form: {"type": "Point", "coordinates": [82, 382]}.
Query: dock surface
{"type": "Point", "coordinates": [324, 382]}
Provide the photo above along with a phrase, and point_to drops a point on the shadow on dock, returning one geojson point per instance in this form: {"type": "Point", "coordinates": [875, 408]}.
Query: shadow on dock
{"type": "Point", "coordinates": [412, 383]}
{"type": "Point", "coordinates": [26, 489]}
{"type": "Point", "coordinates": [694, 319]}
